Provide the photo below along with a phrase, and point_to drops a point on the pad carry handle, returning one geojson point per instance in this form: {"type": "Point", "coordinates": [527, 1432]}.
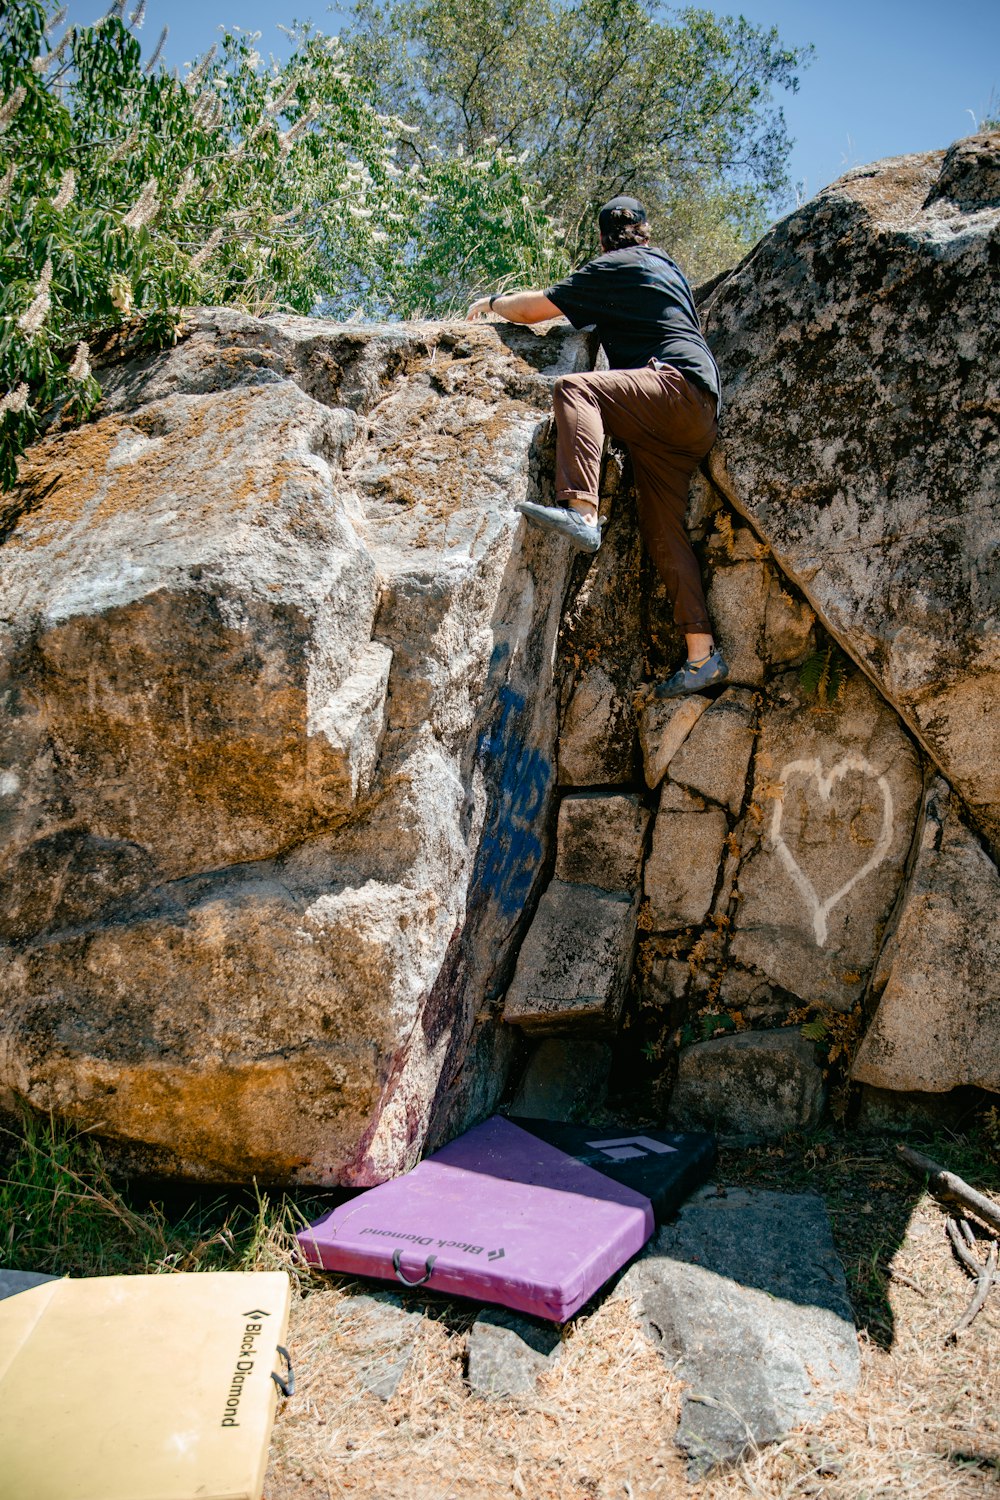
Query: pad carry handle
{"type": "Point", "coordinates": [429, 1267]}
{"type": "Point", "coordinates": [286, 1387]}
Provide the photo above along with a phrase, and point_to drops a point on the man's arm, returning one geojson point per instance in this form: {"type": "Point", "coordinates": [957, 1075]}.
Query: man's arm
{"type": "Point", "coordinates": [517, 307]}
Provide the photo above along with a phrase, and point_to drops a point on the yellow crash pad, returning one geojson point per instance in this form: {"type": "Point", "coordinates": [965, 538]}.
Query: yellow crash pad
{"type": "Point", "coordinates": [140, 1387]}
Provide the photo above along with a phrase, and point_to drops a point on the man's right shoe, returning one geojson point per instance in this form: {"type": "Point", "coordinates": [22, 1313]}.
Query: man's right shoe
{"type": "Point", "coordinates": [568, 523]}
{"type": "Point", "coordinates": [691, 679]}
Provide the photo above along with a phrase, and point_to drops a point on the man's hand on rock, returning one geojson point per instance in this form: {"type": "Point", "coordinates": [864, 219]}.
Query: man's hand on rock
{"type": "Point", "coordinates": [479, 309]}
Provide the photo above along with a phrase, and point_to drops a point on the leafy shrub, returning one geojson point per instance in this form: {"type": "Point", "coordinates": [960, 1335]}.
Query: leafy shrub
{"type": "Point", "coordinates": [127, 194]}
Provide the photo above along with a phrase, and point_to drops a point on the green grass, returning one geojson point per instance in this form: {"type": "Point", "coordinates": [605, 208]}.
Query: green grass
{"type": "Point", "coordinates": [61, 1213]}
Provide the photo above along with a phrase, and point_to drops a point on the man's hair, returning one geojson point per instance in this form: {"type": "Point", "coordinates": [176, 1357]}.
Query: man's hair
{"type": "Point", "coordinates": [618, 235]}
{"type": "Point", "coordinates": [622, 222]}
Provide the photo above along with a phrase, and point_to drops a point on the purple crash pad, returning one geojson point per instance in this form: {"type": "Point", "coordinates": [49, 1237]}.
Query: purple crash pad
{"type": "Point", "coordinates": [498, 1215]}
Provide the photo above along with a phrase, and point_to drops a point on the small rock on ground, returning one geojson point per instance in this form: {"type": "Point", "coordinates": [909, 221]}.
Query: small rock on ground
{"type": "Point", "coordinates": [508, 1352]}
{"type": "Point", "coordinates": [385, 1332]}
{"type": "Point", "coordinates": [749, 1087]}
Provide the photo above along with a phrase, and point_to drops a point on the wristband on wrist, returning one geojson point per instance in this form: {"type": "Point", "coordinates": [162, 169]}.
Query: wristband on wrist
{"type": "Point", "coordinates": [494, 298]}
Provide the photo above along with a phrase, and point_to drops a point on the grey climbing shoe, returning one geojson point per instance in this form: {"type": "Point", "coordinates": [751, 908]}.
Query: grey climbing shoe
{"type": "Point", "coordinates": [568, 523]}
{"type": "Point", "coordinates": [691, 679]}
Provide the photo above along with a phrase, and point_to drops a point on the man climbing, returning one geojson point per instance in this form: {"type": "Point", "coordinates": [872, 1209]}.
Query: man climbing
{"type": "Point", "coordinates": [660, 397]}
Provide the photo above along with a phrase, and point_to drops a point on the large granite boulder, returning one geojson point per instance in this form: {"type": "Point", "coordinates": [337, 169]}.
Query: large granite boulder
{"type": "Point", "coordinates": [277, 757]}
{"type": "Point", "coordinates": [860, 344]}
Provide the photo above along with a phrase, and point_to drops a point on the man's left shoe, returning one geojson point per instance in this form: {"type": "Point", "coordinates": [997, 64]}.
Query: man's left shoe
{"type": "Point", "coordinates": [568, 523]}
{"type": "Point", "coordinates": [692, 678]}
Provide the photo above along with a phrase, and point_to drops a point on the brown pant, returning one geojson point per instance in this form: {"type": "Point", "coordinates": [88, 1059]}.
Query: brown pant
{"type": "Point", "coordinates": [669, 425]}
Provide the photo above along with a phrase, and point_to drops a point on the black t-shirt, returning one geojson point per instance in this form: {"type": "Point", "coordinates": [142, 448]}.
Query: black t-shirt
{"type": "Point", "coordinates": [642, 308]}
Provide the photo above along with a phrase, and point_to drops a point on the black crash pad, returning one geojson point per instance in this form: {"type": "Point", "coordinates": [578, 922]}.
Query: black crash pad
{"type": "Point", "coordinates": [664, 1165]}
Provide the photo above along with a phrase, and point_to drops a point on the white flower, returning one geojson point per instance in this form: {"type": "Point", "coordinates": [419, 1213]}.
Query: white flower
{"type": "Point", "coordinates": [275, 106]}
{"type": "Point", "coordinates": [138, 15]}
{"type": "Point", "coordinates": [124, 146]}
{"type": "Point", "coordinates": [11, 106]}
{"type": "Point", "coordinates": [5, 183]}
{"type": "Point", "coordinates": [207, 111]}
{"type": "Point", "coordinates": [157, 51]}
{"type": "Point", "coordinates": [207, 249]}
{"type": "Point", "coordinates": [15, 400]}
{"type": "Point", "coordinates": [37, 311]}
{"type": "Point", "coordinates": [67, 188]}
{"type": "Point", "coordinates": [291, 135]}
{"type": "Point", "coordinates": [358, 213]}
{"type": "Point", "coordinates": [121, 294]}
{"type": "Point", "coordinates": [143, 208]}
{"type": "Point", "coordinates": [262, 127]}
{"type": "Point", "coordinates": [194, 78]}
{"type": "Point", "coordinates": [183, 188]}
{"type": "Point", "coordinates": [79, 370]}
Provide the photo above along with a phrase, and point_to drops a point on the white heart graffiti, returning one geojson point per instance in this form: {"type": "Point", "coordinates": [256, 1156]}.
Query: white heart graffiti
{"type": "Point", "coordinates": [814, 768]}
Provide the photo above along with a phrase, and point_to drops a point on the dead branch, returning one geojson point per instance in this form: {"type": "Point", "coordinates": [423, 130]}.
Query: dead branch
{"type": "Point", "coordinates": [948, 1188]}
{"type": "Point", "coordinates": [987, 1275]}
{"type": "Point", "coordinates": [959, 1243]}
{"type": "Point", "coordinates": [905, 1280]}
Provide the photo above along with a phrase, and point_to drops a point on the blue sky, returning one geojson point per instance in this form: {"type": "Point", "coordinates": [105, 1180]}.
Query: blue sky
{"type": "Point", "coordinates": [889, 76]}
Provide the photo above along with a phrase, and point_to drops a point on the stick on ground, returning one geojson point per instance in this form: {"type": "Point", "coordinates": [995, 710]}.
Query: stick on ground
{"type": "Point", "coordinates": [948, 1188]}
{"type": "Point", "coordinates": [960, 1245]}
{"type": "Point", "coordinates": [987, 1274]}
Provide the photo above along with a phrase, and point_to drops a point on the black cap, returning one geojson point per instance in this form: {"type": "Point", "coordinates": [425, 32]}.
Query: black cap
{"type": "Point", "coordinates": [608, 215]}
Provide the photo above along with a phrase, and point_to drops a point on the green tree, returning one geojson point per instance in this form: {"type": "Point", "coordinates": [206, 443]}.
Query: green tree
{"type": "Point", "coordinates": [127, 194]}
{"type": "Point", "coordinates": [598, 97]}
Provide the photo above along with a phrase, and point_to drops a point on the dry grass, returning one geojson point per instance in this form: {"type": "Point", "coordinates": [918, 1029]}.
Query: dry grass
{"type": "Point", "coordinates": [924, 1422]}
{"type": "Point", "coordinates": [600, 1423]}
